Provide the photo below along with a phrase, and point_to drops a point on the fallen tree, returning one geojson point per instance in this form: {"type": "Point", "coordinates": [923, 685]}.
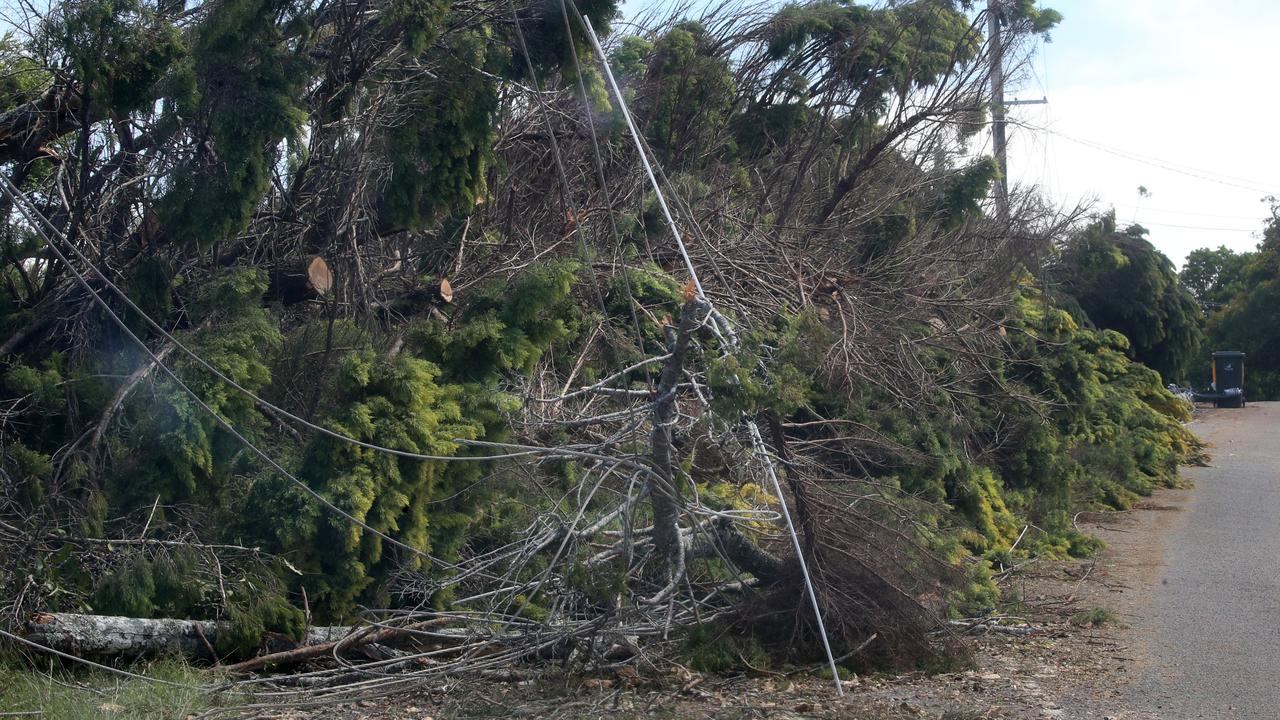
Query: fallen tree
{"type": "Point", "coordinates": [420, 443]}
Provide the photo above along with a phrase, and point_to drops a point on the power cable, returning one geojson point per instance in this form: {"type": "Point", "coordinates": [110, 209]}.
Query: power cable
{"type": "Point", "coordinates": [1170, 211]}
{"type": "Point", "coordinates": [19, 201]}
{"type": "Point", "coordinates": [757, 442]}
{"type": "Point", "coordinates": [34, 216]}
{"type": "Point", "coordinates": [1200, 174]}
{"type": "Point", "coordinates": [1195, 227]}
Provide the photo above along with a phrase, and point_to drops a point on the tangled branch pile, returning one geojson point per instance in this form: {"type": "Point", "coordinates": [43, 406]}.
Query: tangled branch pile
{"type": "Point", "coordinates": [499, 398]}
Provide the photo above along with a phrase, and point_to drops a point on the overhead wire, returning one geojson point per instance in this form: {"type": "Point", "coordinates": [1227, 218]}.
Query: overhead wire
{"type": "Point", "coordinates": [34, 216]}
{"type": "Point", "coordinates": [18, 201]}
{"type": "Point", "coordinates": [1170, 211]}
{"type": "Point", "coordinates": [756, 440]}
{"type": "Point", "coordinates": [1198, 173]}
{"type": "Point", "coordinates": [1195, 227]}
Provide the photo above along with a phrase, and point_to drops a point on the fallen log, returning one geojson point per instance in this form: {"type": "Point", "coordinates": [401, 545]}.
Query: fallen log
{"type": "Point", "coordinates": [107, 636]}
{"type": "Point", "coordinates": [366, 636]}
{"type": "Point", "coordinates": [104, 636]}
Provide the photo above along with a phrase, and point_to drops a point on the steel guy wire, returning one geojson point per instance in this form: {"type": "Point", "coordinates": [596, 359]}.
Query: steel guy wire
{"type": "Point", "coordinates": [464, 572]}
{"type": "Point", "coordinates": [756, 441]}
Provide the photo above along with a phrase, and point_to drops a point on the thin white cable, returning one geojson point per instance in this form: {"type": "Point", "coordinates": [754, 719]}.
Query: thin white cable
{"type": "Point", "coordinates": [9, 190]}
{"type": "Point", "coordinates": [644, 158]}
{"type": "Point", "coordinates": [757, 442]}
{"type": "Point", "coordinates": [37, 218]}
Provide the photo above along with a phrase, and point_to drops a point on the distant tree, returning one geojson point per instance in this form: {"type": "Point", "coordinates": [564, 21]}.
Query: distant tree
{"type": "Point", "coordinates": [1214, 276]}
{"type": "Point", "coordinates": [1122, 282]}
{"type": "Point", "coordinates": [1250, 319]}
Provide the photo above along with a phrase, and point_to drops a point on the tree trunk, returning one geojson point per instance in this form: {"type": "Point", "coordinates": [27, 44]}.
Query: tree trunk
{"type": "Point", "coordinates": [664, 492]}
{"type": "Point", "coordinates": [107, 636]}
{"type": "Point", "coordinates": [296, 280]}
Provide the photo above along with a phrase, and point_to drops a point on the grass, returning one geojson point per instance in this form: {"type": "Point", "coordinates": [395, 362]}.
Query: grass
{"type": "Point", "coordinates": [73, 694]}
{"type": "Point", "coordinates": [1094, 617]}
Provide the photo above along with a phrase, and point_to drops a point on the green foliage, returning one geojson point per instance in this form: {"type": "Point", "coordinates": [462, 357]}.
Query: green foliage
{"type": "Point", "coordinates": [128, 591]}
{"type": "Point", "coordinates": [175, 451]}
{"type": "Point", "coordinates": [440, 153]}
{"type": "Point", "coordinates": [962, 194]}
{"type": "Point", "coordinates": [1094, 617]}
{"type": "Point", "coordinates": [878, 50]}
{"type": "Point", "coordinates": [692, 92]}
{"type": "Point", "coordinates": [396, 404]}
{"type": "Point", "coordinates": [417, 20]}
{"type": "Point", "coordinates": [978, 495]}
{"type": "Point", "coordinates": [1064, 418]}
{"type": "Point", "coordinates": [763, 128]}
{"type": "Point", "coordinates": [1041, 20]}
{"type": "Point", "coordinates": [714, 648]}
{"type": "Point", "coordinates": [1214, 277]}
{"type": "Point", "coordinates": [43, 399]}
{"type": "Point", "coordinates": [409, 403]}
{"type": "Point", "coordinates": [247, 622]}
{"type": "Point", "coordinates": [742, 383]}
{"type": "Point", "coordinates": [1123, 283]}
{"type": "Point", "coordinates": [824, 673]}
{"type": "Point", "coordinates": [30, 687]}
{"type": "Point", "coordinates": [630, 59]}
{"type": "Point", "coordinates": [506, 325]}
{"type": "Point", "coordinates": [118, 48]}
{"type": "Point", "coordinates": [1245, 289]}
{"type": "Point", "coordinates": [1116, 433]}
{"type": "Point", "coordinates": [246, 86]}
{"type": "Point", "coordinates": [144, 587]}
{"type": "Point", "coordinates": [22, 78]}
{"type": "Point", "coordinates": [1251, 323]}
{"type": "Point", "coordinates": [549, 43]}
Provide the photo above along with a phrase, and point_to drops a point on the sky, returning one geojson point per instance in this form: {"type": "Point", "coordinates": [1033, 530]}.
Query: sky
{"type": "Point", "coordinates": [1140, 88]}
{"type": "Point", "coordinates": [1181, 97]}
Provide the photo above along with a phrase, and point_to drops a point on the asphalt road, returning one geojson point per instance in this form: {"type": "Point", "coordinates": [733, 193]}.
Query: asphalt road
{"type": "Point", "coordinates": [1208, 613]}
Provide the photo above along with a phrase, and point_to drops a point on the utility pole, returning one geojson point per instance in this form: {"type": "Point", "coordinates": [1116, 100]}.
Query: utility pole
{"type": "Point", "coordinates": [995, 39]}
{"type": "Point", "coordinates": [995, 46]}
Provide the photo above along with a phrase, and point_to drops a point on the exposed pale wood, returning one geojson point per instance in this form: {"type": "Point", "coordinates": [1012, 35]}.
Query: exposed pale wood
{"type": "Point", "coordinates": [319, 277]}
{"type": "Point", "coordinates": [302, 279]}
{"type": "Point", "coordinates": [443, 291]}
{"type": "Point", "coordinates": [113, 636]}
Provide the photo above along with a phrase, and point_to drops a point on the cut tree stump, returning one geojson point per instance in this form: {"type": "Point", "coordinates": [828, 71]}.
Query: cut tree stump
{"type": "Point", "coordinates": [296, 280]}
{"type": "Point", "coordinates": [443, 291]}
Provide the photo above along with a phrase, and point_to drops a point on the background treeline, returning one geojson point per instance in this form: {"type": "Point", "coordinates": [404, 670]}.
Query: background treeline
{"type": "Point", "coordinates": [942, 386]}
{"type": "Point", "coordinates": [1240, 296]}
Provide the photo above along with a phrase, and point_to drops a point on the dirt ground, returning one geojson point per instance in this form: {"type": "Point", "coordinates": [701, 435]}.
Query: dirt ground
{"type": "Point", "coordinates": [1067, 668]}
{"type": "Point", "coordinates": [1078, 662]}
